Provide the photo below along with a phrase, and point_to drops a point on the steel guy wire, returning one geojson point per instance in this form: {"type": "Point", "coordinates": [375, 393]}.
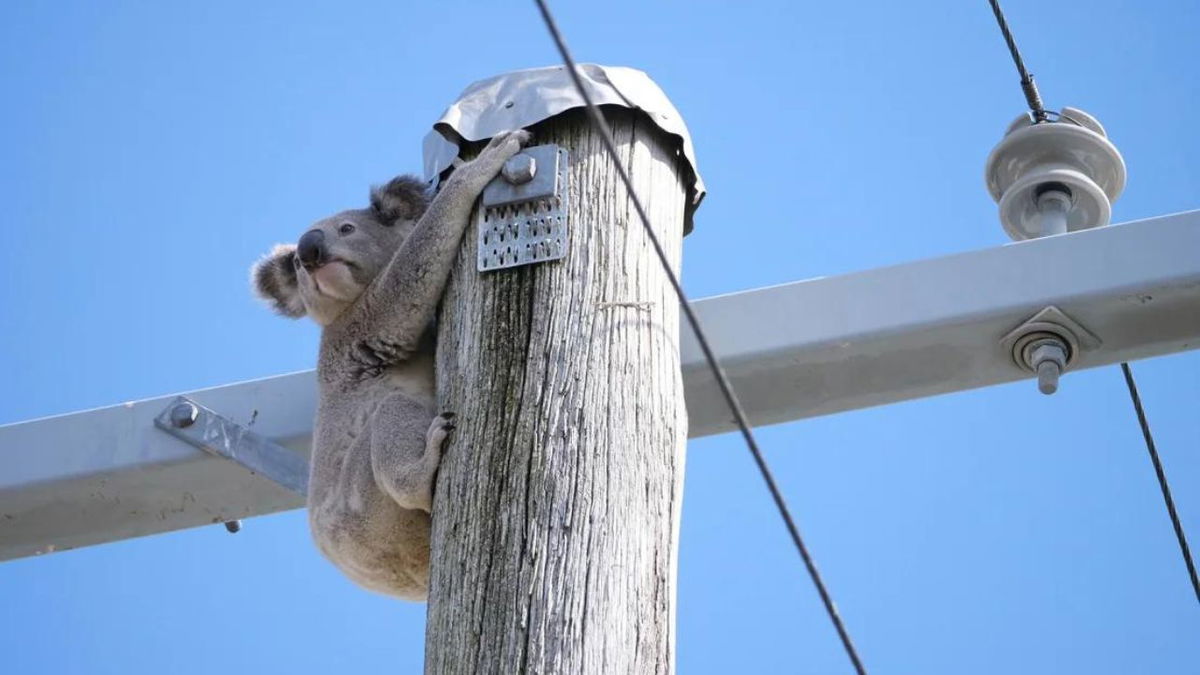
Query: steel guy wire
{"type": "Point", "coordinates": [1032, 97]}
{"type": "Point", "coordinates": [1162, 479]}
{"type": "Point", "coordinates": [731, 398]}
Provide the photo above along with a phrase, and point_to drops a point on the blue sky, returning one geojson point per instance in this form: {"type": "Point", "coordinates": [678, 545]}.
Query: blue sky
{"type": "Point", "coordinates": [151, 151]}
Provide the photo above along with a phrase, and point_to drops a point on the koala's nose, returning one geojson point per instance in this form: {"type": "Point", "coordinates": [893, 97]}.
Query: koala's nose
{"type": "Point", "coordinates": [311, 248]}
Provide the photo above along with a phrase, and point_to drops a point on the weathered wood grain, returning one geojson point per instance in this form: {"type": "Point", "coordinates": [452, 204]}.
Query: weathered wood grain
{"type": "Point", "coordinates": [556, 514]}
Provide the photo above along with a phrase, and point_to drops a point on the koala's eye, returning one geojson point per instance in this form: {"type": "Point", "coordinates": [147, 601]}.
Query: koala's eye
{"type": "Point", "coordinates": [346, 228]}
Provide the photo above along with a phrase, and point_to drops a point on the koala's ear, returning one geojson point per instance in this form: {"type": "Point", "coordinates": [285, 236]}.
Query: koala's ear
{"type": "Point", "coordinates": [274, 280]}
{"type": "Point", "coordinates": [403, 198]}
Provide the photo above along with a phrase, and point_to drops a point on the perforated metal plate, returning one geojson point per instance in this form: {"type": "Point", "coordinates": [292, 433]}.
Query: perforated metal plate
{"type": "Point", "coordinates": [526, 224]}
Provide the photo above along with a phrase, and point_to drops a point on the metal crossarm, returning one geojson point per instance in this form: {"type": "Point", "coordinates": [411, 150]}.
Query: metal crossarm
{"type": "Point", "coordinates": [817, 347]}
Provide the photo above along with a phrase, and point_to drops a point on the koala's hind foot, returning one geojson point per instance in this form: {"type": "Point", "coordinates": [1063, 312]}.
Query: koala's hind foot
{"type": "Point", "coordinates": [406, 449]}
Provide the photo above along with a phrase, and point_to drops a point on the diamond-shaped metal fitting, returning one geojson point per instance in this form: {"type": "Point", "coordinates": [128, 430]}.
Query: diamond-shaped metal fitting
{"type": "Point", "coordinates": [527, 223]}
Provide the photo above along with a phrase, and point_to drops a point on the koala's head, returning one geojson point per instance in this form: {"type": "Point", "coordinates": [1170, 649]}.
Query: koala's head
{"type": "Point", "coordinates": [335, 260]}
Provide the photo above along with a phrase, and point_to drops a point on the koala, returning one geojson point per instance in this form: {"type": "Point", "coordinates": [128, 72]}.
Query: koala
{"type": "Point", "coordinates": [372, 279]}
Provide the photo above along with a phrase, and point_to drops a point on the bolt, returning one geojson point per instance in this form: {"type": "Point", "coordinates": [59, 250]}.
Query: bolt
{"type": "Point", "coordinates": [520, 169]}
{"type": "Point", "coordinates": [1048, 358]}
{"type": "Point", "coordinates": [233, 526]}
{"type": "Point", "coordinates": [1054, 203]}
{"type": "Point", "coordinates": [184, 414]}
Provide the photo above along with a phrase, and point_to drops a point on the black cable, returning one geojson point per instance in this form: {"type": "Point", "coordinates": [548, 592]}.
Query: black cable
{"type": "Point", "coordinates": [1032, 97]}
{"type": "Point", "coordinates": [1035, 104]}
{"type": "Point", "coordinates": [722, 380]}
{"type": "Point", "coordinates": [1162, 479]}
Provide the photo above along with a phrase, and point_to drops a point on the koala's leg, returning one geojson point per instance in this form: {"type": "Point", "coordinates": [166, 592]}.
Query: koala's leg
{"type": "Point", "coordinates": [406, 446]}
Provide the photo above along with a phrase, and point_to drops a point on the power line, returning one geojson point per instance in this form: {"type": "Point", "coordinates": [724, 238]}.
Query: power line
{"type": "Point", "coordinates": [1032, 97]}
{"type": "Point", "coordinates": [1162, 479]}
{"type": "Point", "coordinates": [731, 399]}
{"type": "Point", "coordinates": [1035, 104]}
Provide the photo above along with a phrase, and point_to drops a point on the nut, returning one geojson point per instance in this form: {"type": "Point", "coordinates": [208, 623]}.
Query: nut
{"type": "Point", "coordinates": [184, 414]}
{"type": "Point", "coordinates": [520, 169]}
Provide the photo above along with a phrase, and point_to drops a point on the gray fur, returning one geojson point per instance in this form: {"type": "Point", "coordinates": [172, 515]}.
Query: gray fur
{"type": "Point", "coordinates": [377, 441]}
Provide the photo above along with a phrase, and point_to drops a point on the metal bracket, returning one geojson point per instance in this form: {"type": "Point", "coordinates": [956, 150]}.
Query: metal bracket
{"type": "Point", "coordinates": [1049, 321]}
{"type": "Point", "coordinates": [1048, 343]}
{"type": "Point", "coordinates": [198, 426]}
{"type": "Point", "coordinates": [523, 218]}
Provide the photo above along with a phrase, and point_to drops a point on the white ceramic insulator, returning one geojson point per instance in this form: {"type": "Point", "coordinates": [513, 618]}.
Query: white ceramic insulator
{"type": "Point", "coordinates": [1072, 152]}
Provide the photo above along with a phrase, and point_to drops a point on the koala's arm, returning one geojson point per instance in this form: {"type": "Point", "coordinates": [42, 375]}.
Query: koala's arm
{"type": "Point", "coordinates": [400, 303]}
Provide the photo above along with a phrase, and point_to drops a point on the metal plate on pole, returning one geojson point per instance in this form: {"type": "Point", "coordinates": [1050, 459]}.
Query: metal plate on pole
{"type": "Point", "coordinates": [522, 224]}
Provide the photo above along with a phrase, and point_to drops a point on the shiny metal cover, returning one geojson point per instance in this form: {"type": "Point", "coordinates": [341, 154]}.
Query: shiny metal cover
{"type": "Point", "coordinates": [525, 97]}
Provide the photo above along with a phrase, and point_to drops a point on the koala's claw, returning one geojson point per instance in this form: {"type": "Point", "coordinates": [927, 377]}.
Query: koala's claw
{"type": "Point", "coordinates": [520, 137]}
{"type": "Point", "coordinates": [439, 431]}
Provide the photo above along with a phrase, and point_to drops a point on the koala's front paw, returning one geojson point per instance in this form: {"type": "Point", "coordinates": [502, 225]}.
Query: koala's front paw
{"type": "Point", "coordinates": [505, 145]}
{"type": "Point", "coordinates": [439, 431]}
{"type": "Point", "coordinates": [487, 165]}
{"type": "Point", "coordinates": [514, 140]}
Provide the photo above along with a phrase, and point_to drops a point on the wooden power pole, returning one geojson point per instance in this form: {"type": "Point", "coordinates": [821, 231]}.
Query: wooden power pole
{"type": "Point", "coordinates": [556, 514]}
